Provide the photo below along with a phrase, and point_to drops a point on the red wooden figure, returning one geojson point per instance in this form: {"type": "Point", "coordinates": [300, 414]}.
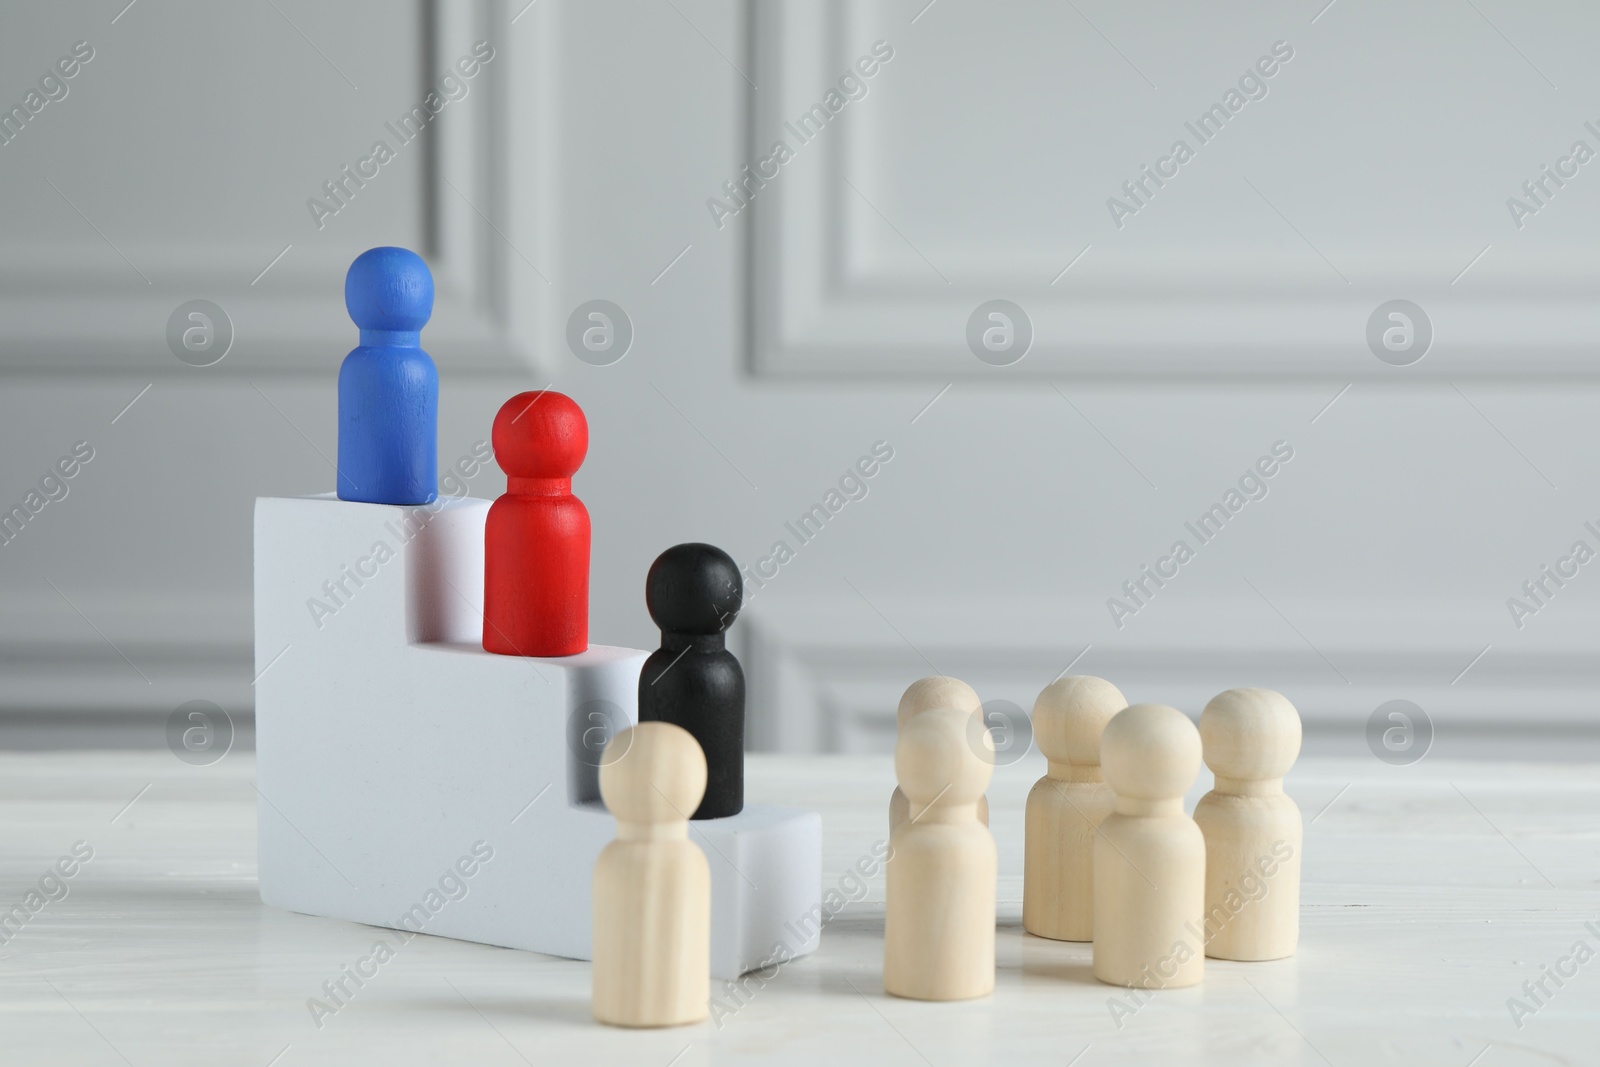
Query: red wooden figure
{"type": "Point", "coordinates": [536, 540]}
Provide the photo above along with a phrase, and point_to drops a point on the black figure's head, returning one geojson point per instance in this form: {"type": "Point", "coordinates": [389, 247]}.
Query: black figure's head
{"type": "Point", "coordinates": [693, 589]}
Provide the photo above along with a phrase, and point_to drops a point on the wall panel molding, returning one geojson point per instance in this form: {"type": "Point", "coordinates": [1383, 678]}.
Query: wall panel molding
{"type": "Point", "coordinates": [826, 676]}
{"type": "Point", "coordinates": [484, 209]}
{"type": "Point", "coordinates": [840, 288]}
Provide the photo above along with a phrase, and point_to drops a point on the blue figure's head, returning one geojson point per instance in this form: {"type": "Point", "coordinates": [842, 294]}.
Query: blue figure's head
{"type": "Point", "coordinates": [389, 289]}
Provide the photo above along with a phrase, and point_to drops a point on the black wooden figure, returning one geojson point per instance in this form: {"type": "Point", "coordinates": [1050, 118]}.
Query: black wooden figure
{"type": "Point", "coordinates": [694, 592]}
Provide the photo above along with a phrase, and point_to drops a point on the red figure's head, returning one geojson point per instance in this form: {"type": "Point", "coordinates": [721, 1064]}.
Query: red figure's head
{"type": "Point", "coordinates": [540, 435]}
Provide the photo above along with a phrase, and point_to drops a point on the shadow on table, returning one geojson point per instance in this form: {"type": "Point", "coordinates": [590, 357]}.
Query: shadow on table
{"type": "Point", "coordinates": [1040, 958]}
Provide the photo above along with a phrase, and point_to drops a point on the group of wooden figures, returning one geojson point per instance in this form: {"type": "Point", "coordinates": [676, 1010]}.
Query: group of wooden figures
{"type": "Point", "coordinates": [1110, 855]}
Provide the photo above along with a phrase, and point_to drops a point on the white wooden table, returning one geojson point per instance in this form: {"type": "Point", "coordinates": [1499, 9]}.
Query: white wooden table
{"type": "Point", "coordinates": [1432, 893]}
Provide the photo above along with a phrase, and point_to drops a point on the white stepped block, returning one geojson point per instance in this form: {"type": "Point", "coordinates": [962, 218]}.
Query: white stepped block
{"type": "Point", "coordinates": [390, 746]}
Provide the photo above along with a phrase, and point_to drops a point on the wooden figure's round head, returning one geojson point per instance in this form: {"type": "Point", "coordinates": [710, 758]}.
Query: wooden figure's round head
{"type": "Point", "coordinates": [1250, 734]}
{"type": "Point", "coordinates": [939, 757]}
{"type": "Point", "coordinates": [1150, 752]}
{"type": "Point", "coordinates": [540, 434]}
{"type": "Point", "coordinates": [652, 773]}
{"type": "Point", "coordinates": [693, 589]}
{"type": "Point", "coordinates": [1071, 714]}
{"type": "Point", "coordinates": [389, 289]}
{"type": "Point", "coordinates": [938, 691]}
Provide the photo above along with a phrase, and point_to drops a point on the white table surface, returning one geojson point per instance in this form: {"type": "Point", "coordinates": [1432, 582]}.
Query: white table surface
{"type": "Point", "coordinates": [1432, 892]}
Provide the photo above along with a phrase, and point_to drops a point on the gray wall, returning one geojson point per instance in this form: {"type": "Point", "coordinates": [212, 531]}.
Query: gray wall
{"type": "Point", "coordinates": [1221, 317]}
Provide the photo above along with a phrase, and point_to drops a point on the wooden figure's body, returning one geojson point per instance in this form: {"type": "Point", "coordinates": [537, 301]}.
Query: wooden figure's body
{"type": "Point", "coordinates": [939, 916]}
{"type": "Point", "coordinates": [1149, 857]}
{"type": "Point", "coordinates": [652, 887]}
{"type": "Point", "coordinates": [536, 540]}
{"type": "Point", "coordinates": [1066, 806]}
{"type": "Point", "coordinates": [693, 593]}
{"type": "Point", "coordinates": [651, 963]}
{"type": "Point", "coordinates": [925, 694]}
{"type": "Point", "coordinates": [1253, 830]}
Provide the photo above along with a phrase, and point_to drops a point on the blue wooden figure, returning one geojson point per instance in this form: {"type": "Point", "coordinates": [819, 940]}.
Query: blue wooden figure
{"type": "Point", "coordinates": [388, 386]}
